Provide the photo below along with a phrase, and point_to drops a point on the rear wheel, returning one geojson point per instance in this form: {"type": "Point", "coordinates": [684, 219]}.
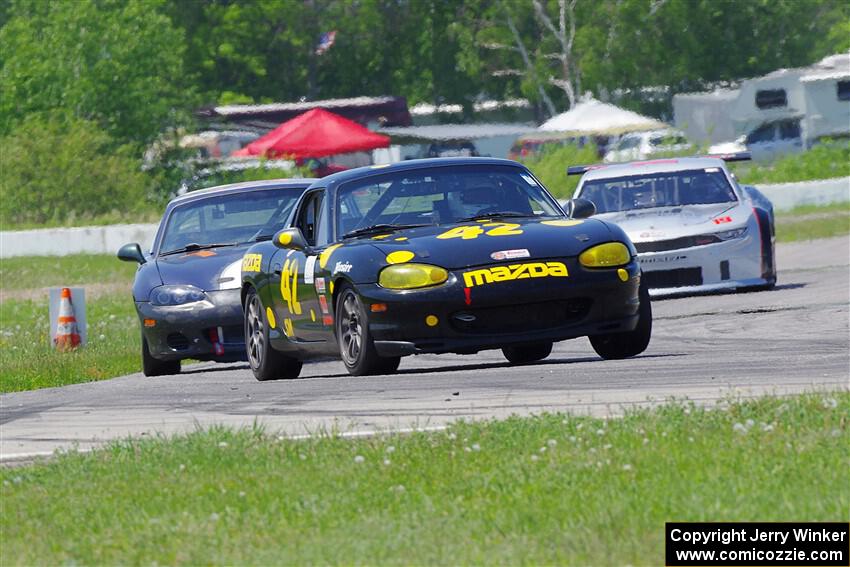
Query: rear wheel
{"type": "Point", "coordinates": [768, 249]}
{"type": "Point", "coordinates": [153, 366]}
{"type": "Point", "coordinates": [356, 347]}
{"type": "Point", "coordinates": [266, 362]}
{"type": "Point", "coordinates": [625, 345]}
{"type": "Point", "coordinates": [527, 353]}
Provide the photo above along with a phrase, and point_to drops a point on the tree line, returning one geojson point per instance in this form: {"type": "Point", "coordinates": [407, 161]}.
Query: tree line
{"type": "Point", "coordinates": [135, 69]}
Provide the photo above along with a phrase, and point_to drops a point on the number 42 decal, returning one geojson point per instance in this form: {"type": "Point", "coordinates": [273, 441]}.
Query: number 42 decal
{"type": "Point", "coordinates": [474, 231]}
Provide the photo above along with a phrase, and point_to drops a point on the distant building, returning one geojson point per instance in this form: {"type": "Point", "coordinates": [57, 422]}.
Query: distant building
{"type": "Point", "coordinates": [516, 110]}
{"type": "Point", "coordinates": [372, 112]}
{"type": "Point", "coordinates": [790, 106]}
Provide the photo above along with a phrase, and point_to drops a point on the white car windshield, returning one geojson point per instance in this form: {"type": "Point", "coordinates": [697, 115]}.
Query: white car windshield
{"type": "Point", "coordinates": [651, 190]}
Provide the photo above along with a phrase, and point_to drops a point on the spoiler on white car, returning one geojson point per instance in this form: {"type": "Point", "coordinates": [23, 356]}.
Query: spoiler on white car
{"type": "Point", "coordinates": [735, 156]}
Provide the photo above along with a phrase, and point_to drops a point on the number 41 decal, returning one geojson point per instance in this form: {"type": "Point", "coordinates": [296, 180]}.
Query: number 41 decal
{"type": "Point", "coordinates": [470, 232]}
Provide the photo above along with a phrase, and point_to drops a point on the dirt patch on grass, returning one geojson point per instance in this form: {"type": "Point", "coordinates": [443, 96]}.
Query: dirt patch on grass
{"type": "Point", "coordinates": [93, 291]}
{"type": "Point", "coordinates": [786, 218]}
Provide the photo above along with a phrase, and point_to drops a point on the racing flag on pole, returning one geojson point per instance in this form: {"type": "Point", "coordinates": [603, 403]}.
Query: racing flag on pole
{"type": "Point", "coordinates": [326, 40]}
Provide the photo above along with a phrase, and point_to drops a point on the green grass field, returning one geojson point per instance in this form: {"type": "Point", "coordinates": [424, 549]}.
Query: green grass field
{"type": "Point", "coordinates": [544, 490]}
{"type": "Point", "coordinates": [812, 222]}
{"type": "Point", "coordinates": [824, 161]}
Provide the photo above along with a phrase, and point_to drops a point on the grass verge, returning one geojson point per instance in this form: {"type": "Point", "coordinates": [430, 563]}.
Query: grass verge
{"type": "Point", "coordinates": [552, 489]}
{"type": "Point", "coordinates": [812, 222]}
{"type": "Point", "coordinates": [41, 272]}
{"type": "Point", "coordinates": [824, 161]}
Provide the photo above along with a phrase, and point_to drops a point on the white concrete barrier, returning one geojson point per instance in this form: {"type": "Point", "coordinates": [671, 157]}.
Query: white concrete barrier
{"type": "Point", "coordinates": [786, 196]}
{"type": "Point", "coordinates": [76, 240]}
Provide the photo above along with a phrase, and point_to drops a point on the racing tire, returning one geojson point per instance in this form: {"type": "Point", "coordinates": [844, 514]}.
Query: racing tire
{"type": "Point", "coordinates": [522, 354]}
{"type": "Point", "coordinates": [266, 362]}
{"type": "Point", "coordinates": [356, 346]}
{"type": "Point", "coordinates": [615, 346]}
{"type": "Point", "coordinates": [768, 249]}
{"type": "Point", "coordinates": [153, 366]}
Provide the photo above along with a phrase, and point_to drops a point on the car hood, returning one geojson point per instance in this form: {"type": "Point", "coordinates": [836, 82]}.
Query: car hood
{"type": "Point", "coordinates": [644, 225]}
{"type": "Point", "coordinates": [210, 270]}
{"type": "Point", "coordinates": [486, 242]}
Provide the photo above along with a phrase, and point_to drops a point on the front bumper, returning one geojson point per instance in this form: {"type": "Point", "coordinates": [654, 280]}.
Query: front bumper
{"type": "Point", "coordinates": [441, 319]}
{"type": "Point", "coordinates": [203, 330]}
{"type": "Point", "coordinates": [722, 266]}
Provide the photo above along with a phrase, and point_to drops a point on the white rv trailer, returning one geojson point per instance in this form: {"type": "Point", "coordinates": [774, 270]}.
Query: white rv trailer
{"type": "Point", "coordinates": [783, 111]}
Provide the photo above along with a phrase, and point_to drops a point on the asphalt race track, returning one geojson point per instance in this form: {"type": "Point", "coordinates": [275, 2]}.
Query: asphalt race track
{"type": "Point", "coordinates": [792, 339]}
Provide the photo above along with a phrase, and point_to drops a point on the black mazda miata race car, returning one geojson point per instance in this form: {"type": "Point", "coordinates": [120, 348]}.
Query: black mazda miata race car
{"type": "Point", "coordinates": [434, 256]}
{"type": "Point", "coordinates": [186, 289]}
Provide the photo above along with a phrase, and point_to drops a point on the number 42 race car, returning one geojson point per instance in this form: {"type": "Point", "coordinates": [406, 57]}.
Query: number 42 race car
{"type": "Point", "coordinates": [434, 256]}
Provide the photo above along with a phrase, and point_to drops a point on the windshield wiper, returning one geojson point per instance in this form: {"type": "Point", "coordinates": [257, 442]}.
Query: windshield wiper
{"type": "Point", "coordinates": [495, 215]}
{"type": "Point", "coordinates": [192, 246]}
{"type": "Point", "coordinates": [379, 228]}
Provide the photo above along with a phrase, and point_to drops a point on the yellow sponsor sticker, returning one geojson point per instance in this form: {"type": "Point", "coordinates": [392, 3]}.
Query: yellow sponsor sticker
{"type": "Point", "coordinates": [252, 262]}
{"type": "Point", "coordinates": [400, 257]}
{"type": "Point", "coordinates": [326, 255]}
{"type": "Point", "coordinates": [498, 274]}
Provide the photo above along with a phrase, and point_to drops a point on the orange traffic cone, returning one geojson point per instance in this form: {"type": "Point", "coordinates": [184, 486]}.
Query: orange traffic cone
{"type": "Point", "coordinates": [67, 336]}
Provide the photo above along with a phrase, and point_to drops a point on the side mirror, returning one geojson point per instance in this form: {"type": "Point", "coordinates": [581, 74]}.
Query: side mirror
{"type": "Point", "coordinates": [580, 208]}
{"type": "Point", "coordinates": [131, 253]}
{"type": "Point", "coordinates": [290, 238]}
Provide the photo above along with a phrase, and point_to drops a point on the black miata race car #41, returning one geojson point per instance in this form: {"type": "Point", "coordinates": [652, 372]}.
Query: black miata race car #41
{"type": "Point", "coordinates": [434, 256]}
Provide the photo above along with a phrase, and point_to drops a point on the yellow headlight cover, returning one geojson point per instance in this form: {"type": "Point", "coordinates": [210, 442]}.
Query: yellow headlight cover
{"type": "Point", "coordinates": [608, 255]}
{"type": "Point", "coordinates": [411, 276]}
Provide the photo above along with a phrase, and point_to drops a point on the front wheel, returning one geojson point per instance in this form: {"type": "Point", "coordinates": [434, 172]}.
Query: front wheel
{"type": "Point", "coordinates": [614, 346]}
{"type": "Point", "coordinates": [266, 363]}
{"type": "Point", "coordinates": [153, 366]}
{"type": "Point", "coordinates": [356, 347]}
{"type": "Point", "coordinates": [527, 353]}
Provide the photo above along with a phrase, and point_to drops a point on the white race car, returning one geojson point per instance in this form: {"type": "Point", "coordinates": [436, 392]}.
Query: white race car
{"type": "Point", "coordinates": [696, 229]}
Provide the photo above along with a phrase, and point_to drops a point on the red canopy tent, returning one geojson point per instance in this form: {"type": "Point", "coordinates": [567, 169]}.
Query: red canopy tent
{"type": "Point", "coordinates": [314, 134]}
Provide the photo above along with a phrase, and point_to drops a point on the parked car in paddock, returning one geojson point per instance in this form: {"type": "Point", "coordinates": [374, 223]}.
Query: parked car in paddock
{"type": "Point", "coordinates": [434, 256]}
{"type": "Point", "coordinates": [186, 289]}
{"type": "Point", "coordinates": [644, 145]}
{"type": "Point", "coordinates": [696, 229]}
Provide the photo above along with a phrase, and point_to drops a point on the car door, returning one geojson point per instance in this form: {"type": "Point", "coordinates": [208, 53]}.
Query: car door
{"type": "Point", "coordinates": [304, 317]}
{"type": "Point", "coordinates": [789, 138]}
{"type": "Point", "coordinates": [761, 140]}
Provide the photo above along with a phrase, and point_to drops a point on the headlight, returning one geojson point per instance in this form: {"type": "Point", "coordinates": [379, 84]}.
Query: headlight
{"type": "Point", "coordinates": [730, 234]}
{"type": "Point", "coordinates": [608, 255]}
{"type": "Point", "coordinates": [176, 295]}
{"type": "Point", "coordinates": [411, 276]}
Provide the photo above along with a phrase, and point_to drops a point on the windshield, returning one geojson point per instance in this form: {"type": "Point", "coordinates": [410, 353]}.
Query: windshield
{"type": "Point", "coordinates": [676, 188]}
{"type": "Point", "coordinates": [229, 219]}
{"type": "Point", "coordinates": [441, 195]}
{"type": "Point", "coordinates": [628, 143]}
